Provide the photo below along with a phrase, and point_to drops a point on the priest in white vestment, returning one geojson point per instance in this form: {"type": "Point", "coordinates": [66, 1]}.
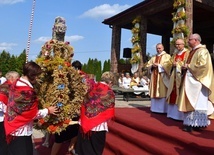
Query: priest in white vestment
{"type": "Point", "coordinates": [196, 96]}
{"type": "Point", "coordinates": [158, 67]}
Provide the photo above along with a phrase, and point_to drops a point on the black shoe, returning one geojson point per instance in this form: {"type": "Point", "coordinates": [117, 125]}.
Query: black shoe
{"type": "Point", "coordinates": [196, 128]}
{"type": "Point", "coordinates": [143, 96]}
{"type": "Point", "coordinates": [187, 128]}
{"type": "Point", "coordinates": [147, 96]}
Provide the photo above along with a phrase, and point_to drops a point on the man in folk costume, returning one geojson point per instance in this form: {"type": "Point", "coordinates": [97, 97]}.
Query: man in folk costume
{"type": "Point", "coordinates": [196, 94]}
{"type": "Point", "coordinates": [177, 61]}
{"type": "Point", "coordinates": [96, 111]}
{"type": "Point", "coordinates": [158, 67]}
{"type": "Point", "coordinates": [11, 76]}
{"type": "Point", "coordinates": [22, 109]}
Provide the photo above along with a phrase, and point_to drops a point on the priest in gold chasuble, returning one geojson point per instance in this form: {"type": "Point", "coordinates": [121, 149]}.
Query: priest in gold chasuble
{"type": "Point", "coordinates": [158, 67]}
{"type": "Point", "coordinates": [196, 95]}
{"type": "Point", "coordinates": [177, 61]}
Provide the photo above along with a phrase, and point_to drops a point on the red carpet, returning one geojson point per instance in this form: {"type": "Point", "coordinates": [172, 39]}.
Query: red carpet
{"type": "Point", "coordinates": [140, 132]}
{"type": "Point", "coordinates": [41, 150]}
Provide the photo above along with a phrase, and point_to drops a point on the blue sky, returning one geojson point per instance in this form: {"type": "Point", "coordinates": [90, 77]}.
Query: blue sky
{"type": "Point", "coordinates": [86, 33]}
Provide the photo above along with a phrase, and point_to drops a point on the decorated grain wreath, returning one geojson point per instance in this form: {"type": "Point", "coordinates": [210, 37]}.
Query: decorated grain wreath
{"type": "Point", "coordinates": [60, 84]}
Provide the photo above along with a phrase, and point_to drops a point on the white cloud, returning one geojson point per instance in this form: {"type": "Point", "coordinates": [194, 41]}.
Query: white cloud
{"type": "Point", "coordinates": [67, 38]}
{"type": "Point", "coordinates": [73, 38]}
{"type": "Point", "coordinates": [10, 1]}
{"type": "Point", "coordinates": [42, 39]}
{"type": "Point", "coordinates": [7, 46]}
{"type": "Point", "coordinates": [104, 11]}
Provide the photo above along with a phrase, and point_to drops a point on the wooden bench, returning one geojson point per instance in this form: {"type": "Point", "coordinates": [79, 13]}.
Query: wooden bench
{"type": "Point", "coordinates": [126, 92]}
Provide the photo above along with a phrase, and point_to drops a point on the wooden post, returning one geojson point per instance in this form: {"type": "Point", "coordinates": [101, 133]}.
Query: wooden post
{"type": "Point", "coordinates": [143, 36]}
{"type": "Point", "coordinates": [189, 13]}
{"type": "Point", "coordinates": [115, 48]}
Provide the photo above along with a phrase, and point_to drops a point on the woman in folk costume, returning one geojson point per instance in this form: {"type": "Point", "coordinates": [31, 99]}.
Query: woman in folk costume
{"type": "Point", "coordinates": [22, 109]}
{"type": "Point", "coordinates": [178, 59]}
{"type": "Point", "coordinates": [159, 69]}
{"type": "Point", "coordinates": [11, 76]}
{"type": "Point", "coordinates": [196, 96]}
{"type": "Point", "coordinates": [96, 111]}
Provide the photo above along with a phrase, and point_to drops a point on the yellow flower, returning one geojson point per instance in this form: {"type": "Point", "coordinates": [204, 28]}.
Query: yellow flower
{"type": "Point", "coordinates": [135, 59]}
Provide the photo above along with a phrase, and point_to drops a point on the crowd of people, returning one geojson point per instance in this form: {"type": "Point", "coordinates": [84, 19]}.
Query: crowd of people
{"type": "Point", "coordinates": [19, 109]}
{"type": "Point", "coordinates": [19, 105]}
{"type": "Point", "coordinates": [181, 85]}
{"type": "Point", "coordinates": [136, 82]}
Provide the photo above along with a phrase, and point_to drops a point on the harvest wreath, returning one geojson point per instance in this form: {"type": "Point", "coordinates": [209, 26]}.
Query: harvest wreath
{"type": "Point", "coordinates": [59, 85]}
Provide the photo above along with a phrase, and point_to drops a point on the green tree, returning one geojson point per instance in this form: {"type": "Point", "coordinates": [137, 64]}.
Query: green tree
{"type": "Point", "coordinates": [84, 67]}
{"type": "Point", "coordinates": [106, 65]}
{"type": "Point", "coordinates": [11, 62]}
{"type": "Point", "coordinates": [90, 67]}
{"type": "Point", "coordinates": [21, 59]}
{"type": "Point", "coordinates": [93, 66]}
{"type": "Point", "coordinates": [4, 58]}
{"type": "Point", "coordinates": [98, 70]}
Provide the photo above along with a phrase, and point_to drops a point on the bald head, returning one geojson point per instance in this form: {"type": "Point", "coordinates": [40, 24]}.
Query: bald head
{"type": "Point", "coordinates": [179, 44]}
{"type": "Point", "coordinates": [180, 41]}
{"type": "Point", "coordinates": [194, 40]}
{"type": "Point", "coordinates": [196, 36]}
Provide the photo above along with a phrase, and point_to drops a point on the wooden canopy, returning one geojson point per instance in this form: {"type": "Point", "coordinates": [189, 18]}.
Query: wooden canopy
{"type": "Point", "coordinates": [156, 18]}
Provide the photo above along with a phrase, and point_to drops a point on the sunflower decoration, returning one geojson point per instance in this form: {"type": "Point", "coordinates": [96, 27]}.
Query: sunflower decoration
{"type": "Point", "coordinates": [60, 84]}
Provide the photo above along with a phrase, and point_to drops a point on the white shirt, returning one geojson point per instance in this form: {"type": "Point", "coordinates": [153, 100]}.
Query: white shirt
{"type": "Point", "coordinates": [2, 80]}
{"type": "Point", "coordinates": [2, 111]}
{"type": "Point", "coordinates": [101, 127]}
{"type": "Point", "coordinates": [143, 82]}
{"type": "Point", "coordinates": [126, 82]}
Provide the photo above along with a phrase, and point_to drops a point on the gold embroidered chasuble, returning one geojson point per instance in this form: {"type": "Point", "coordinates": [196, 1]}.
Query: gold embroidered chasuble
{"type": "Point", "coordinates": [159, 79]}
{"type": "Point", "coordinates": [175, 76]}
{"type": "Point", "coordinates": [200, 66]}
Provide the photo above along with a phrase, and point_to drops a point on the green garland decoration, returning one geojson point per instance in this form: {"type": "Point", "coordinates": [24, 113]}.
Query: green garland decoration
{"type": "Point", "coordinates": [179, 19]}
{"type": "Point", "coordinates": [136, 49]}
{"type": "Point", "coordinates": [179, 3]}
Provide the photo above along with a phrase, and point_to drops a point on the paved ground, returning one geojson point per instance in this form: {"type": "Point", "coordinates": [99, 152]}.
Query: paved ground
{"type": "Point", "coordinates": [119, 103]}
{"type": "Point", "coordinates": [133, 102]}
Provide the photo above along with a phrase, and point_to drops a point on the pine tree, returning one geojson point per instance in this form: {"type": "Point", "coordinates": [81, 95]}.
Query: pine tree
{"type": "Point", "coordinates": [4, 58]}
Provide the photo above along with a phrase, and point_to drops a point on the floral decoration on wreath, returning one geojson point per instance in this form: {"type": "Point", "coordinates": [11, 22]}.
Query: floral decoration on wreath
{"type": "Point", "coordinates": [59, 85]}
